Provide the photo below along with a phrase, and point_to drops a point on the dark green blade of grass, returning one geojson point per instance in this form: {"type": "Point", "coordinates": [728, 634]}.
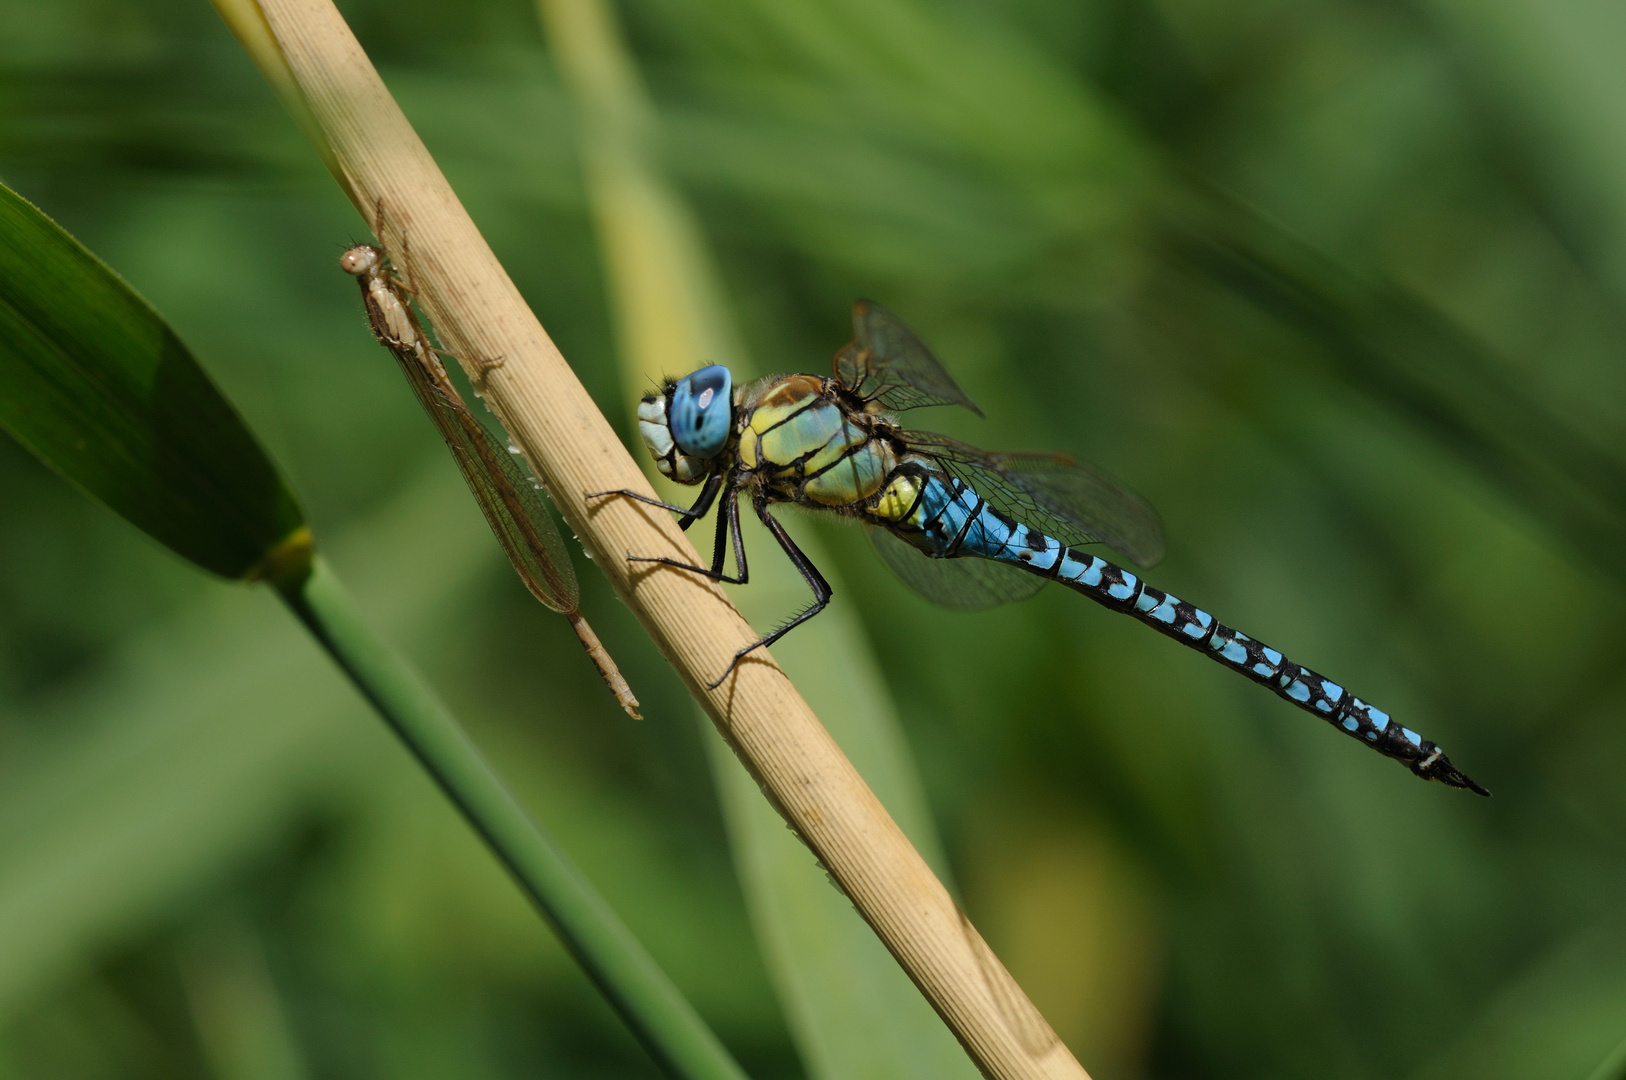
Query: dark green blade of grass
{"type": "Point", "coordinates": [98, 387]}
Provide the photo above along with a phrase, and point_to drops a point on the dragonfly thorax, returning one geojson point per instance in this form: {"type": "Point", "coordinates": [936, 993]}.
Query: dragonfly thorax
{"type": "Point", "coordinates": [806, 443]}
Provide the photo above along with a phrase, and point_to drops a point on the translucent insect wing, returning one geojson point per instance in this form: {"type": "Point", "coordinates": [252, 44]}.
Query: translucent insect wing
{"type": "Point", "coordinates": [1074, 502]}
{"type": "Point", "coordinates": [518, 517]}
{"type": "Point", "coordinates": [506, 494]}
{"type": "Point", "coordinates": [960, 584]}
{"type": "Point", "coordinates": [886, 362]}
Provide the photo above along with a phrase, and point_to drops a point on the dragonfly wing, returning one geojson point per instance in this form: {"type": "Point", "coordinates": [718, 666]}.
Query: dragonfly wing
{"type": "Point", "coordinates": [961, 584]}
{"type": "Point", "coordinates": [508, 498]}
{"type": "Point", "coordinates": [1074, 502]}
{"type": "Point", "coordinates": [886, 362]}
{"type": "Point", "coordinates": [522, 523]}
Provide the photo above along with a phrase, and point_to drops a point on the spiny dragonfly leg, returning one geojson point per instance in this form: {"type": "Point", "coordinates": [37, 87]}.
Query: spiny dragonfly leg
{"type": "Point", "coordinates": [626, 494]}
{"type": "Point", "coordinates": [810, 574]}
{"type": "Point", "coordinates": [728, 525]}
{"type": "Point", "coordinates": [690, 514]}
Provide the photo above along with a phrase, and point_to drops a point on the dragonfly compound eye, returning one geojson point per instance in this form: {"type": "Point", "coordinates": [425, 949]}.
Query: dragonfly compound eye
{"type": "Point", "coordinates": [703, 411]}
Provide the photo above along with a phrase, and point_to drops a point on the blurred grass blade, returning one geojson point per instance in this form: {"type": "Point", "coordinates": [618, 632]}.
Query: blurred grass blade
{"type": "Point", "coordinates": [1613, 1066]}
{"type": "Point", "coordinates": [1416, 362]}
{"type": "Point", "coordinates": [851, 1008]}
{"type": "Point", "coordinates": [1565, 1017]}
{"type": "Point", "coordinates": [96, 384]}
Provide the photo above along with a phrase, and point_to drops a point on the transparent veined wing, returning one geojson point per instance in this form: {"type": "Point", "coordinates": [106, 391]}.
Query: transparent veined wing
{"type": "Point", "coordinates": [505, 492]}
{"type": "Point", "coordinates": [1074, 502]}
{"type": "Point", "coordinates": [887, 363]}
{"type": "Point", "coordinates": [514, 509]}
{"type": "Point", "coordinates": [961, 584]}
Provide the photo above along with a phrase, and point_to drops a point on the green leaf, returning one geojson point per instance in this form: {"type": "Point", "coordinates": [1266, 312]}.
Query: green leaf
{"type": "Point", "coordinates": [94, 383]}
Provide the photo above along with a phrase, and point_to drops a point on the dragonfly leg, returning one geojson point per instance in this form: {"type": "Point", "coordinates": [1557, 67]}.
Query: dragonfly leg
{"type": "Point", "coordinates": [409, 284]}
{"type": "Point", "coordinates": [728, 526]}
{"type": "Point", "coordinates": [624, 493]}
{"type": "Point", "coordinates": [690, 514]}
{"type": "Point", "coordinates": [484, 368]}
{"type": "Point", "coordinates": [810, 574]}
{"type": "Point", "coordinates": [481, 367]}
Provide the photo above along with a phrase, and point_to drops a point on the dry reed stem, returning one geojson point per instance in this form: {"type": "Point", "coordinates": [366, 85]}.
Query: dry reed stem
{"type": "Point", "coordinates": [479, 314]}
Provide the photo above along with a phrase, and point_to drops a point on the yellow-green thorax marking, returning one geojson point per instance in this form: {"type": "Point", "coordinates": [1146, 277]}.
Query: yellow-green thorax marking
{"type": "Point", "coordinates": [804, 444]}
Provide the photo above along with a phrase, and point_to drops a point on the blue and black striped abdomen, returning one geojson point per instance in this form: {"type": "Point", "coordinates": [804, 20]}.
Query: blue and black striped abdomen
{"type": "Point", "coordinates": [947, 519]}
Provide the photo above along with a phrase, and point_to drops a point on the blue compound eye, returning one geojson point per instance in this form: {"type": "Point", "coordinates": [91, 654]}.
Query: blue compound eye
{"type": "Point", "coordinates": [703, 411]}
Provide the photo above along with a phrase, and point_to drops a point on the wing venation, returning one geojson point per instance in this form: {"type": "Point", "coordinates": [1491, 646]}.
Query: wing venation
{"type": "Point", "coordinates": [888, 363]}
{"type": "Point", "coordinates": [960, 584]}
{"type": "Point", "coordinates": [1068, 499]}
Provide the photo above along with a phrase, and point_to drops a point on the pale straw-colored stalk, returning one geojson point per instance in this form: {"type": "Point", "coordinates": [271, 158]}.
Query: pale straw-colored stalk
{"type": "Point", "coordinates": [309, 52]}
{"type": "Point", "coordinates": [850, 1008]}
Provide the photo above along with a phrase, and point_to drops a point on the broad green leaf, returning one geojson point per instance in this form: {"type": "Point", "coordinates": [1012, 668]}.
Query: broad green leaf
{"type": "Point", "coordinates": [96, 384]}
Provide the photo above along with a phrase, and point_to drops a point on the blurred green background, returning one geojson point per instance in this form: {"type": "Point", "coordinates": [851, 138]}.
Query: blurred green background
{"type": "Point", "coordinates": [1340, 286]}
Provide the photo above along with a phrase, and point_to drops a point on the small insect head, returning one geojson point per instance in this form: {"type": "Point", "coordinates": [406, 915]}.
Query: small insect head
{"type": "Point", "coordinates": [688, 423]}
{"type": "Point", "coordinates": [360, 259]}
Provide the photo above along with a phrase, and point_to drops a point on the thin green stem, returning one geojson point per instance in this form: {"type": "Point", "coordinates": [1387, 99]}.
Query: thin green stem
{"type": "Point", "coordinates": [628, 977]}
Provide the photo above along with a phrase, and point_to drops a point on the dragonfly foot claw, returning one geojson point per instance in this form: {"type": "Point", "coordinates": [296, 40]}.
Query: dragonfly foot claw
{"type": "Point", "coordinates": [483, 368]}
{"type": "Point", "coordinates": [732, 665]}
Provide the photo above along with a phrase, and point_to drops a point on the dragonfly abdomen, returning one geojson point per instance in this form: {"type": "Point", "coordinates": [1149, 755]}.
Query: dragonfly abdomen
{"type": "Point", "coordinates": [1314, 693]}
{"type": "Point", "coordinates": [954, 522]}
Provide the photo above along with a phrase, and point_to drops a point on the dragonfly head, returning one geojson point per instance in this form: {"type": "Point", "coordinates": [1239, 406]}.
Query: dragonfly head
{"type": "Point", "coordinates": [688, 423]}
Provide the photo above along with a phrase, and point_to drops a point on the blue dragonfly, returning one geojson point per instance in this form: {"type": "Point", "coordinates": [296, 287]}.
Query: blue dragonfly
{"type": "Point", "coordinates": [964, 527]}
